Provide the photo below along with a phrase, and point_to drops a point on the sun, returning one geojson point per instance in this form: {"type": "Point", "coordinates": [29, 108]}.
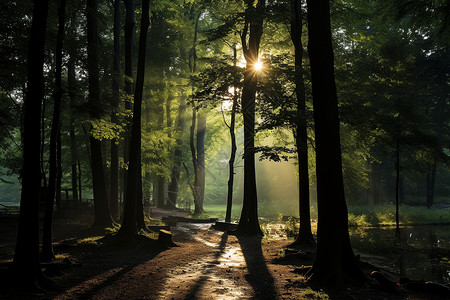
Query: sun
{"type": "Point", "coordinates": [258, 66]}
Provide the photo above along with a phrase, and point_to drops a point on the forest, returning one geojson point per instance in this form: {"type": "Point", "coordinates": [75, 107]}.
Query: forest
{"type": "Point", "coordinates": [235, 149]}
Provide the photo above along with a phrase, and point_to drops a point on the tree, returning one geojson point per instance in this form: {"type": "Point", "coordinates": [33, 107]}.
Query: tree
{"type": "Point", "coordinates": [47, 244]}
{"type": "Point", "coordinates": [129, 89]}
{"type": "Point", "coordinates": [198, 186]}
{"type": "Point", "coordinates": [26, 257]}
{"type": "Point", "coordinates": [71, 80]}
{"type": "Point", "coordinates": [114, 181]}
{"type": "Point", "coordinates": [335, 260]}
{"type": "Point", "coordinates": [305, 237]}
{"type": "Point", "coordinates": [101, 204]}
{"type": "Point", "coordinates": [253, 26]}
{"type": "Point", "coordinates": [231, 127]}
{"type": "Point", "coordinates": [129, 227]}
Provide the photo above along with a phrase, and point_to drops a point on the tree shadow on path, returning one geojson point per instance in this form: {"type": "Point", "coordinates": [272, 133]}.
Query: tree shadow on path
{"type": "Point", "coordinates": [209, 268]}
{"type": "Point", "coordinates": [258, 275]}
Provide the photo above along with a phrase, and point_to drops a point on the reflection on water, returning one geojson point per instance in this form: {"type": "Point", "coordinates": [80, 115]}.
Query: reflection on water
{"type": "Point", "coordinates": [422, 253]}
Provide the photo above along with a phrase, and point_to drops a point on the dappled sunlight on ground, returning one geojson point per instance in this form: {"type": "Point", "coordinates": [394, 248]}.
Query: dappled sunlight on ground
{"type": "Point", "coordinates": [211, 277]}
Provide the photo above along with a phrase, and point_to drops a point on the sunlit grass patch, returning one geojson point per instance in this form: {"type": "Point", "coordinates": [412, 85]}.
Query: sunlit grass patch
{"type": "Point", "coordinates": [92, 240]}
{"type": "Point", "coordinates": [115, 228]}
{"type": "Point", "coordinates": [62, 256]}
{"type": "Point", "coordinates": [384, 215]}
{"type": "Point", "coordinates": [312, 294]}
{"type": "Point", "coordinates": [218, 211]}
{"type": "Point", "coordinates": [149, 234]}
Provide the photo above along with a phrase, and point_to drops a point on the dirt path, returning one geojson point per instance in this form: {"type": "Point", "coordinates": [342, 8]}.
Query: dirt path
{"type": "Point", "coordinates": [209, 264]}
{"type": "Point", "coordinates": [214, 276]}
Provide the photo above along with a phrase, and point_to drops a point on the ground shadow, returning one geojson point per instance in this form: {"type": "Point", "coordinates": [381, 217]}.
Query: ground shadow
{"type": "Point", "coordinates": [209, 268]}
{"type": "Point", "coordinates": [258, 275]}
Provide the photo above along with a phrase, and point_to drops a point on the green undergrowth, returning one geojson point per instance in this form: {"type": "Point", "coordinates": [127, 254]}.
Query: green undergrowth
{"type": "Point", "coordinates": [384, 215]}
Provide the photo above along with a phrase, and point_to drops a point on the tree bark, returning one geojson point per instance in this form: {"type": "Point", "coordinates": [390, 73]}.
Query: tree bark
{"type": "Point", "coordinates": [129, 86]}
{"type": "Point", "coordinates": [26, 257]}
{"type": "Point", "coordinates": [175, 176]}
{"type": "Point", "coordinates": [114, 182]}
{"type": "Point", "coordinates": [201, 132]}
{"type": "Point", "coordinates": [101, 204]}
{"type": "Point", "coordinates": [71, 86]}
{"type": "Point", "coordinates": [431, 182]}
{"type": "Point", "coordinates": [129, 227]}
{"type": "Point", "coordinates": [335, 261]}
{"type": "Point", "coordinates": [233, 145]}
{"type": "Point", "coordinates": [397, 185]}
{"type": "Point", "coordinates": [248, 223]}
{"type": "Point", "coordinates": [58, 171]}
{"type": "Point", "coordinates": [305, 237]}
{"type": "Point", "coordinates": [193, 68]}
{"type": "Point", "coordinates": [47, 253]}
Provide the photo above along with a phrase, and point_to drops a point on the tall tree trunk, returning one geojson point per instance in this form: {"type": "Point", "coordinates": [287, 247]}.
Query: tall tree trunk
{"type": "Point", "coordinates": [114, 182]}
{"type": "Point", "coordinates": [73, 155]}
{"type": "Point", "coordinates": [254, 16]}
{"type": "Point", "coordinates": [200, 187]}
{"type": "Point", "coordinates": [170, 198]}
{"type": "Point", "coordinates": [129, 87]}
{"type": "Point", "coordinates": [431, 182]}
{"type": "Point", "coordinates": [233, 145]}
{"type": "Point", "coordinates": [71, 92]}
{"type": "Point", "coordinates": [193, 68]}
{"type": "Point", "coordinates": [305, 237]}
{"type": "Point", "coordinates": [175, 176]}
{"type": "Point", "coordinates": [397, 185]}
{"type": "Point", "coordinates": [79, 181]}
{"type": "Point", "coordinates": [194, 158]}
{"type": "Point", "coordinates": [129, 227]}
{"type": "Point", "coordinates": [26, 257]}
{"type": "Point", "coordinates": [42, 147]}
{"type": "Point", "coordinates": [58, 171]}
{"type": "Point", "coordinates": [335, 261]}
{"type": "Point", "coordinates": [140, 216]}
{"type": "Point", "coordinates": [47, 253]}
{"type": "Point", "coordinates": [101, 205]}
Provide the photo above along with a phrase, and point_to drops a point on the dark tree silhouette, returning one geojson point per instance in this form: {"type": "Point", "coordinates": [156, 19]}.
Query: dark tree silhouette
{"type": "Point", "coordinates": [128, 229]}
{"type": "Point", "coordinates": [129, 87]}
{"type": "Point", "coordinates": [335, 260]}
{"type": "Point", "coordinates": [172, 189]}
{"type": "Point", "coordinates": [71, 86]}
{"type": "Point", "coordinates": [47, 235]}
{"type": "Point", "coordinates": [26, 265]}
{"type": "Point", "coordinates": [101, 204]}
{"type": "Point", "coordinates": [231, 127]}
{"type": "Point", "coordinates": [254, 16]}
{"type": "Point", "coordinates": [114, 180]}
{"type": "Point", "coordinates": [201, 132]}
{"type": "Point", "coordinates": [199, 174]}
{"type": "Point", "coordinates": [305, 237]}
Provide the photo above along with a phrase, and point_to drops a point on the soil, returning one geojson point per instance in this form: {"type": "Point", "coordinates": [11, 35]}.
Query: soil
{"type": "Point", "coordinates": [207, 264]}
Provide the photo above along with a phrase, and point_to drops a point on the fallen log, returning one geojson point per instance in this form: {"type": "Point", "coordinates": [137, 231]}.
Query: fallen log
{"type": "Point", "coordinates": [225, 226]}
{"type": "Point", "coordinates": [157, 228]}
{"type": "Point", "coordinates": [169, 219]}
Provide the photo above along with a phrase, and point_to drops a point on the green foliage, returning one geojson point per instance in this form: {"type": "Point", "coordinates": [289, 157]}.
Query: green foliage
{"type": "Point", "coordinates": [102, 129]}
{"type": "Point", "coordinates": [363, 215]}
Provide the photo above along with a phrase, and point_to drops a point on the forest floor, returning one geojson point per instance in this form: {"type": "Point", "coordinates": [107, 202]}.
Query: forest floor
{"type": "Point", "coordinates": [208, 264]}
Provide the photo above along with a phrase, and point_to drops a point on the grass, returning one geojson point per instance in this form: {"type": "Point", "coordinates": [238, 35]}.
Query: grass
{"type": "Point", "coordinates": [358, 214]}
{"type": "Point", "coordinates": [92, 240]}
{"type": "Point", "coordinates": [312, 294]}
{"type": "Point", "coordinates": [384, 215]}
{"type": "Point", "coordinates": [218, 211]}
